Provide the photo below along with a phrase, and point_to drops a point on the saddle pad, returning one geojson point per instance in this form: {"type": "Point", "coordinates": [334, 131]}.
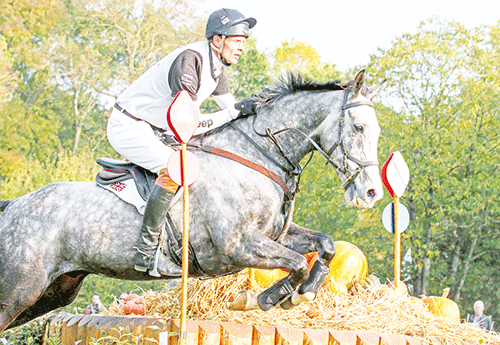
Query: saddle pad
{"type": "Point", "coordinates": [127, 191]}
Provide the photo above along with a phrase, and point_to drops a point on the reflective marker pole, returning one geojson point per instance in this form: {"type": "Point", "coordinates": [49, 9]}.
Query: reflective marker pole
{"type": "Point", "coordinates": [397, 243]}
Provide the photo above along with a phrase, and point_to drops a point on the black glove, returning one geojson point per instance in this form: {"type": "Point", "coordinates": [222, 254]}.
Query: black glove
{"type": "Point", "coordinates": [248, 106]}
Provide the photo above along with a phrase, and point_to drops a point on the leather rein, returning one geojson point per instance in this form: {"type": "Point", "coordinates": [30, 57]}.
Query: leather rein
{"type": "Point", "coordinates": [343, 168]}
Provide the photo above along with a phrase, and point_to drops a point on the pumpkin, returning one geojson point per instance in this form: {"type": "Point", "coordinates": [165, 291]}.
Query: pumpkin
{"type": "Point", "coordinates": [131, 297]}
{"type": "Point", "coordinates": [134, 307]}
{"type": "Point", "coordinates": [348, 265]}
{"type": "Point", "coordinates": [266, 278]}
{"type": "Point", "coordinates": [442, 306]}
{"type": "Point", "coordinates": [334, 287]}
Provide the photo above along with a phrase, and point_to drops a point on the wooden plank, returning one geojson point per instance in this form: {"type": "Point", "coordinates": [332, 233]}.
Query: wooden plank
{"type": "Point", "coordinates": [392, 339]}
{"type": "Point", "coordinates": [209, 333]}
{"type": "Point", "coordinates": [316, 337]}
{"type": "Point", "coordinates": [236, 334]}
{"type": "Point", "coordinates": [152, 331]}
{"type": "Point", "coordinates": [343, 338]}
{"type": "Point", "coordinates": [68, 334]}
{"type": "Point", "coordinates": [92, 333]}
{"type": "Point", "coordinates": [289, 336]}
{"type": "Point", "coordinates": [191, 332]}
{"type": "Point", "coordinates": [368, 338]}
{"type": "Point", "coordinates": [416, 341]}
{"type": "Point", "coordinates": [263, 335]}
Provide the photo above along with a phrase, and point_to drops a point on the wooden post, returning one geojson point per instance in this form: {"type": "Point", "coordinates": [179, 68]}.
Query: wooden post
{"type": "Point", "coordinates": [185, 248]}
{"type": "Point", "coordinates": [397, 244]}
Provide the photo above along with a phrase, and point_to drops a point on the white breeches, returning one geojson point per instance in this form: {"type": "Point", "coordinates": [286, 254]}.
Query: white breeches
{"type": "Point", "coordinates": [136, 141]}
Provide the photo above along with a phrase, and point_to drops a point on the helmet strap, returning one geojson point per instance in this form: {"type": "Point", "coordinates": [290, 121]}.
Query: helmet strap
{"type": "Point", "coordinates": [219, 50]}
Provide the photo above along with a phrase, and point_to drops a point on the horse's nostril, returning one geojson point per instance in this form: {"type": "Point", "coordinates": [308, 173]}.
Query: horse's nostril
{"type": "Point", "coordinates": [371, 193]}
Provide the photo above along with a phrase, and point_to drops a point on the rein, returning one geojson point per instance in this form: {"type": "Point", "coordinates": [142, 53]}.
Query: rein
{"type": "Point", "coordinates": [226, 154]}
{"type": "Point", "coordinates": [344, 168]}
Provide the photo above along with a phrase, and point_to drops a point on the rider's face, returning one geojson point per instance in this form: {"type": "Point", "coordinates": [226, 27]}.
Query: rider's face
{"type": "Point", "coordinates": [232, 48]}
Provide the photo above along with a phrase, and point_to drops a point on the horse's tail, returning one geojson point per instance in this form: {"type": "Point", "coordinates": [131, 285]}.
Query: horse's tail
{"type": "Point", "coordinates": [4, 204]}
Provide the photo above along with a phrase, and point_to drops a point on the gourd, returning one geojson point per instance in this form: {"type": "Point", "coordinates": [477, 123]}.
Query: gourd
{"type": "Point", "coordinates": [348, 266]}
{"type": "Point", "coordinates": [442, 306]}
{"type": "Point", "coordinates": [265, 278]}
{"type": "Point", "coordinates": [133, 306]}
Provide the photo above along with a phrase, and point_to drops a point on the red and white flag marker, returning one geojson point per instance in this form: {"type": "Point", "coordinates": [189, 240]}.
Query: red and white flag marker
{"type": "Point", "coordinates": [395, 176]}
{"type": "Point", "coordinates": [183, 118]}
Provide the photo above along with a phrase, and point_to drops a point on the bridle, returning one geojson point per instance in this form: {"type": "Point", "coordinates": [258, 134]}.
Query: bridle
{"type": "Point", "coordinates": [343, 168]}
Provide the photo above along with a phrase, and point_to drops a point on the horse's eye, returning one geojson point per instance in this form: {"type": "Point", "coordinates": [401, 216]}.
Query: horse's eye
{"type": "Point", "coordinates": [359, 128]}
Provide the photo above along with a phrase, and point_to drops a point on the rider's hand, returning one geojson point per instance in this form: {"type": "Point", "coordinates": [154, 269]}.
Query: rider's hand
{"type": "Point", "coordinates": [248, 106]}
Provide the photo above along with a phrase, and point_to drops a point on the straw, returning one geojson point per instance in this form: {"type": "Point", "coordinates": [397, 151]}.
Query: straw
{"type": "Point", "coordinates": [380, 310]}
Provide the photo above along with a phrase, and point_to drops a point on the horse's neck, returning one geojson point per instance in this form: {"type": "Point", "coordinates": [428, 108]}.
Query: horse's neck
{"type": "Point", "coordinates": [305, 111]}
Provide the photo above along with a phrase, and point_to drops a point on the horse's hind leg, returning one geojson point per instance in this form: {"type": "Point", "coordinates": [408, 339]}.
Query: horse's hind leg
{"type": "Point", "coordinates": [303, 240]}
{"type": "Point", "coordinates": [62, 291]}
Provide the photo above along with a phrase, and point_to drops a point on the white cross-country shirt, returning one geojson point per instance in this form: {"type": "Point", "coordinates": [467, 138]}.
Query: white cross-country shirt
{"type": "Point", "coordinates": [193, 68]}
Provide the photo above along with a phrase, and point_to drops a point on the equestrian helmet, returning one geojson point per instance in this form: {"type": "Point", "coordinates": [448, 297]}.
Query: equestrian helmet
{"type": "Point", "coordinates": [227, 22]}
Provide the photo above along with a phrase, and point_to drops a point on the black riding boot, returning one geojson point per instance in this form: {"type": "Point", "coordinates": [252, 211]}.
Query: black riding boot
{"type": "Point", "coordinates": [150, 256]}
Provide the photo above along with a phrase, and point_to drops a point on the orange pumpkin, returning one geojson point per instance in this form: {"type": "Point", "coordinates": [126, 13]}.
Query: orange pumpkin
{"type": "Point", "coordinates": [334, 287]}
{"type": "Point", "coordinates": [266, 278]}
{"type": "Point", "coordinates": [442, 306]}
{"type": "Point", "coordinates": [130, 297]}
{"type": "Point", "coordinates": [348, 265]}
{"type": "Point", "coordinates": [134, 307]}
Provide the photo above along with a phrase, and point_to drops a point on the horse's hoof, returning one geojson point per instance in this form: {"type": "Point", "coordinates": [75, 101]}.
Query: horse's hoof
{"type": "Point", "coordinates": [296, 299]}
{"type": "Point", "coordinates": [287, 304]}
{"type": "Point", "coordinates": [245, 301]}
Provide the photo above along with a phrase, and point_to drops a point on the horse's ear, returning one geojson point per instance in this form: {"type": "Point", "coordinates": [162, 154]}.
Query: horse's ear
{"type": "Point", "coordinates": [359, 81]}
{"type": "Point", "coordinates": [375, 90]}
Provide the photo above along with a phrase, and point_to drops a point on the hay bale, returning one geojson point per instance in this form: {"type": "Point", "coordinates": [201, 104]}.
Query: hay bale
{"type": "Point", "coordinates": [382, 310]}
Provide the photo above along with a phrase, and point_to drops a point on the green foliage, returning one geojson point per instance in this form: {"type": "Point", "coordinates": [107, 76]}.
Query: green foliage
{"type": "Point", "coordinates": [35, 174]}
{"type": "Point", "coordinates": [302, 57]}
{"type": "Point", "coordinates": [444, 103]}
{"type": "Point", "coordinates": [31, 333]}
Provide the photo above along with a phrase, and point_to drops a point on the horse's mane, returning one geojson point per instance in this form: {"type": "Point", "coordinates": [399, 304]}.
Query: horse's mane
{"type": "Point", "coordinates": [294, 82]}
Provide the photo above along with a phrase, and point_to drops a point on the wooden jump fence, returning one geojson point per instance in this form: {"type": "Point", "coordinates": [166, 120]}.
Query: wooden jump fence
{"type": "Point", "coordinates": [86, 329]}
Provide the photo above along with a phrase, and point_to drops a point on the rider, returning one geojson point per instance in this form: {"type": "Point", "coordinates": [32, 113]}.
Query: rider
{"type": "Point", "coordinates": [197, 68]}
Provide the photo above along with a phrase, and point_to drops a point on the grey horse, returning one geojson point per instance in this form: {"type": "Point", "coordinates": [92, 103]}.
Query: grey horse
{"type": "Point", "coordinates": [52, 238]}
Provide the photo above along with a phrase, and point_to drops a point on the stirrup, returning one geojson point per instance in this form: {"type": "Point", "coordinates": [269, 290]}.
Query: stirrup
{"type": "Point", "coordinates": [142, 268]}
{"type": "Point", "coordinates": [169, 270]}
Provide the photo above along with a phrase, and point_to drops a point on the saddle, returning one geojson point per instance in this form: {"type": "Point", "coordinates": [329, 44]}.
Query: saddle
{"type": "Point", "coordinates": [133, 184]}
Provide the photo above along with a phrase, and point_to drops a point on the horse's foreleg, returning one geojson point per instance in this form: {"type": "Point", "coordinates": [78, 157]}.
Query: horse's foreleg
{"type": "Point", "coordinates": [303, 240]}
{"type": "Point", "coordinates": [259, 251]}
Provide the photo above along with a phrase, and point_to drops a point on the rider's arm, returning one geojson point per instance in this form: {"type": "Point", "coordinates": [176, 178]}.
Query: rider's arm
{"type": "Point", "coordinates": [185, 73]}
{"type": "Point", "coordinates": [225, 100]}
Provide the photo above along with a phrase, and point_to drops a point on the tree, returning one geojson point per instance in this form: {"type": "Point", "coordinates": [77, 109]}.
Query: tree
{"type": "Point", "coordinates": [302, 57]}
{"type": "Point", "coordinates": [442, 114]}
